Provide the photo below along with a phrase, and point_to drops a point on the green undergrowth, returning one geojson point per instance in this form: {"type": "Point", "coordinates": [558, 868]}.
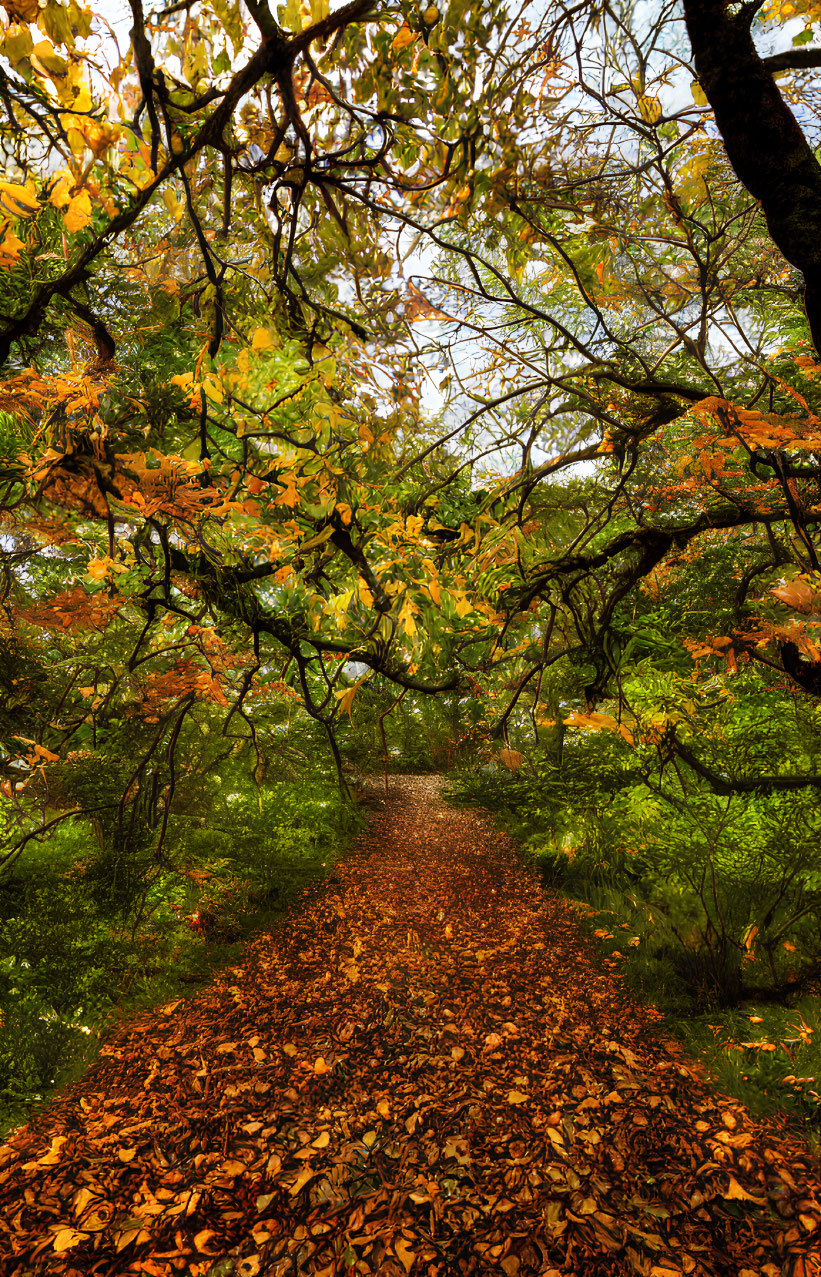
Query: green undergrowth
{"type": "Point", "coordinates": [765, 1053]}
{"type": "Point", "coordinates": [718, 991]}
{"type": "Point", "coordinates": [88, 936]}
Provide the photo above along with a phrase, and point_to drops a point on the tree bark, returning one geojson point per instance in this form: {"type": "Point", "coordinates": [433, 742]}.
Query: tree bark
{"type": "Point", "coordinates": [762, 137]}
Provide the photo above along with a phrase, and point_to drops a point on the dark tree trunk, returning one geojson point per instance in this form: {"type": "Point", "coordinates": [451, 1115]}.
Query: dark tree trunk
{"type": "Point", "coordinates": [763, 140]}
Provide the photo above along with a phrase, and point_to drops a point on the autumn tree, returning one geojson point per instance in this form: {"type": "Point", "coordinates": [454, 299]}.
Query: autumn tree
{"type": "Point", "coordinates": [412, 345]}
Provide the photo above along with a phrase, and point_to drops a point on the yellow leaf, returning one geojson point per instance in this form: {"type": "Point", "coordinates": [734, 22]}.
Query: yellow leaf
{"type": "Point", "coordinates": [322, 1140]}
{"type": "Point", "coordinates": [345, 697]}
{"type": "Point", "coordinates": [383, 1108]}
{"type": "Point", "coordinates": [402, 39]}
{"type": "Point", "coordinates": [736, 1193]}
{"type": "Point", "coordinates": [127, 1235]}
{"type": "Point", "coordinates": [98, 568]}
{"type": "Point", "coordinates": [649, 108]}
{"type": "Point", "coordinates": [54, 1155]}
{"type": "Point", "coordinates": [17, 42]}
{"type": "Point", "coordinates": [699, 96]}
{"type": "Point", "coordinates": [83, 100]}
{"type": "Point", "coordinates": [45, 59]}
{"type": "Point", "coordinates": [516, 1097]}
{"type": "Point", "coordinates": [65, 1238]}
{"type": "Point", "coordinates": [173, 203]}
{"type": "Point", "coordinates": [212, 385]}
{"type": "Point", "coordinates": [59, 194]}
{"type": "Point", "coordinates": [10, 247]}
{"type": "Point", "coordinates": [127, 1154]}
{"type": "Point", "coordinates": [17, 201]}
{"type": "Point", "coordinates": [599, 723]}
{"type": "Point", "coordinates": [82, 1198]}
{"type": "Point", "coordinates": [406, 619]}
{"type": "Point", "coordinates": [261, 339]}
{"type": "Point", "coordinates": [305, 1174]}
{"type": "Point", "coordinates": [320, 1066]}
{"type": "Point", "coordinates": [404, 1253]}
{"type": "Point", "coordinates": [78, 213]}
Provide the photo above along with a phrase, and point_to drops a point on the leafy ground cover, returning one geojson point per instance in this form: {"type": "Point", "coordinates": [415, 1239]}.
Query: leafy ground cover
{"type": "Point", "coordinates": [750, 1013]}
{"type": "Point", "coordinates": [427, 1071]}
{"type": "Point", "coordinates": [84, 937]}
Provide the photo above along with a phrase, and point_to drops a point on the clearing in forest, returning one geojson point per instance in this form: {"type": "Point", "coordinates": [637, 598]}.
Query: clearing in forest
{"type": "Point", "coordinates": [422, 1072]}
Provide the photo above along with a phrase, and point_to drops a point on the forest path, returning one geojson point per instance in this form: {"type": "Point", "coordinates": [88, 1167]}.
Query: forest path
{"type": "Point", "coordinates": [423, 1073]}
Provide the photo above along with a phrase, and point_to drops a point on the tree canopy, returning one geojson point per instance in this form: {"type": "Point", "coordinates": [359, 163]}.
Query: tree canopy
{"type": "Point", "coordinates": [468, 351]}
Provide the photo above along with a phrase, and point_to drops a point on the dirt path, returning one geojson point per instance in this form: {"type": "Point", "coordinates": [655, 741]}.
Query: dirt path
{"type": "Point", "coordinates": [423, 1074]}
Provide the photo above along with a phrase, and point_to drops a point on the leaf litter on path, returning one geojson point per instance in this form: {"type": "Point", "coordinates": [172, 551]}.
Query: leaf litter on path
{"type": "Point", "coordinates": [423, 1071]}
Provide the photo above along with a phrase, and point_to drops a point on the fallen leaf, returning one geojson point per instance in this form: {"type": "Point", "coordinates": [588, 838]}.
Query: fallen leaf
{"type": "Point", "coordinates": [54, 1155]}
{"type": "Point", "coordinates": [735, 1192]}
{"type": "Point", "coordinates": [66, 1238]}
{"type": "Point", "coordinates": [404, 1253]}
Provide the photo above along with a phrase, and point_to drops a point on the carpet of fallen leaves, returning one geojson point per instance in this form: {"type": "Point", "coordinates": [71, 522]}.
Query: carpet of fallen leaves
{"type": "Point", "coordinates": [423, 1072]}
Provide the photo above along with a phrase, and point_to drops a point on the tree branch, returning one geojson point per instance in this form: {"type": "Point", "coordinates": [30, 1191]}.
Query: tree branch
{"type": "Point", "coordinates": [793, 60]}
{"type": "Point", "coordinates": [727, 786]}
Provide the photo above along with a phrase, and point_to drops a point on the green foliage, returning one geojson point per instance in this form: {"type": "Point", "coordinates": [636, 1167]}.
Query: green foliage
{"type": "Point", "coordinates": [86, 929]}
{"type": "Point", "coordinates": [709, 904]}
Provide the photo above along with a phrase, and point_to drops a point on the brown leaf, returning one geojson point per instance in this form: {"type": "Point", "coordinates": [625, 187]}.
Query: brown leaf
{"type": "Point", "coordinates": [404, 1253]}
{"type": "Point", "coordinates": [54, 1155]}
{"type": "Point", "coordinates": [735, 1192]}
{"type": "Point", "coordinates": [202, 1239]}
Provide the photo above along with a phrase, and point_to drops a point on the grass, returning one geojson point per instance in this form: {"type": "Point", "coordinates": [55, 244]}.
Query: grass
{"type": "Point", "coordinates": [75, 957]}
{"type": "Point", "coordinates": [767, 1054]}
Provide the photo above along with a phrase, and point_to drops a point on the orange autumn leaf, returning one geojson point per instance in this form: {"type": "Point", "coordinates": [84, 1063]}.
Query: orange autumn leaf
{"type": "Point", "coordinates": [78, 212]}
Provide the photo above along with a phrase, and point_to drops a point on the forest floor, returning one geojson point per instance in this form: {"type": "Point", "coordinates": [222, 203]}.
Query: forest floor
{"type": "Point", "coordinates": [424, 1071]}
